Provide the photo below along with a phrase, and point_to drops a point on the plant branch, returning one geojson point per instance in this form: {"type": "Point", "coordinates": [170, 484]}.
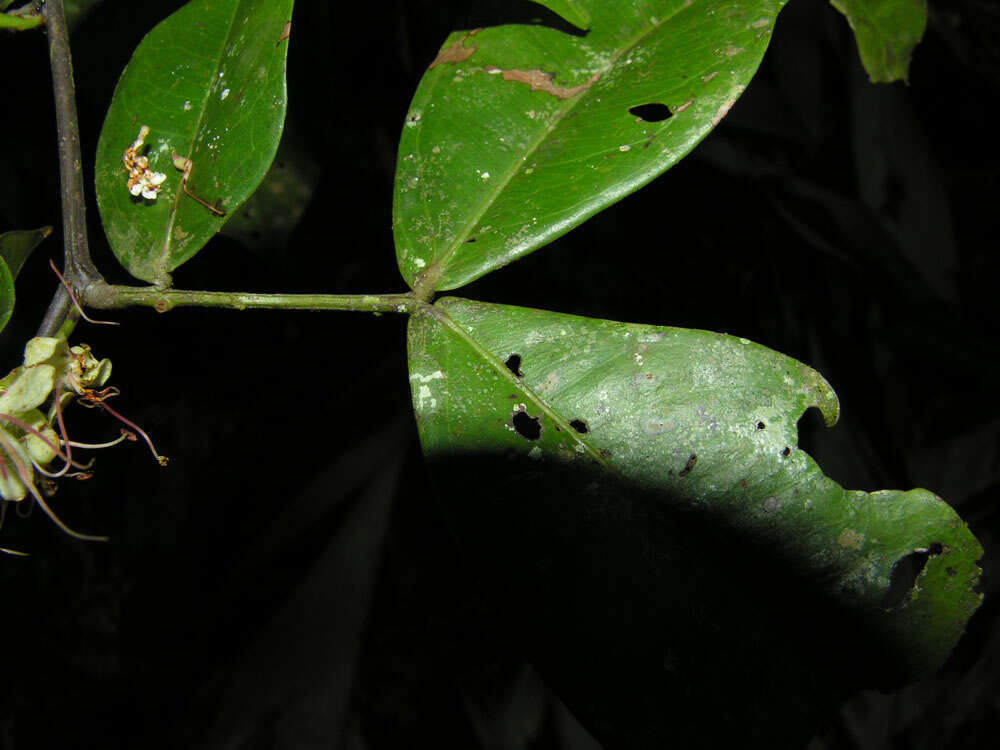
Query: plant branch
{"type": "Point", "coordinates": [78, 268]}
{"type": "Point", "coordinates": [108, 296]}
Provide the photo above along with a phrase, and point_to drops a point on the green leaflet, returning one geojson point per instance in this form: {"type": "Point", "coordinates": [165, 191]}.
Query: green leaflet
{"type": "Point", "coordinates": [209, 82]}
{"type": "Point", "coordinates": [886, 32]}
{"type": "Point", "coordinates": [15, 247]}
{"type": "Point", "coordinates": [518, 133]}
{"type": "Point", "coordinates": [665, 549]}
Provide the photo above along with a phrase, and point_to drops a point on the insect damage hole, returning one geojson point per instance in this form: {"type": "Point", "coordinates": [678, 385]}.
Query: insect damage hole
{"type": "Point", "coordinates": [653, 112]}
{"type": "Point", "coordinates": [905, 573]}
{"type": "Point", "coordinates": [513, 363]}
{"type": "Point", "coordinates": [525, 425]}
{"type": "Point", "coordinates": [580, 426]}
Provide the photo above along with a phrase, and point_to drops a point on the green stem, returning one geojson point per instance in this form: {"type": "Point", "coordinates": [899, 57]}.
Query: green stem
{"type": "Point", "coordinates": [27, 17]}
{"type": "Point", "coordinates": [108, 296]}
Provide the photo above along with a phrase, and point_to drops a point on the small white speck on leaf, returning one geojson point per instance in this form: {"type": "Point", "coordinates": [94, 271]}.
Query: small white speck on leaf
{"type": "Point", "coordinates": [224, 94]}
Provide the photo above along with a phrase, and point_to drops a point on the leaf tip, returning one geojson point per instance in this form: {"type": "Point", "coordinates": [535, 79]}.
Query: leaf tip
{"type": "Point", "coordinates": [824, 398]}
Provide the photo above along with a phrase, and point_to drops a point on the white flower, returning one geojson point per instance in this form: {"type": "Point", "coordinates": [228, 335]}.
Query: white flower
{"type": "Point", "coordinates": [147, 184]}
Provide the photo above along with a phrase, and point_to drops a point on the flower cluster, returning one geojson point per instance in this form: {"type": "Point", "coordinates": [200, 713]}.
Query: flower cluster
{"type": "Point", "coordinates": [31, 439]}
{"type": "Point", "coordinates": [141, 179]}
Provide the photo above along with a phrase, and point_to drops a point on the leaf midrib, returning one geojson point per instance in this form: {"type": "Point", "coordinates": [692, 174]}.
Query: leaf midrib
{"type": "Point", "coordinates": [438, 266]}
{"type": "Point", "coordinates": [163, 261]}
{"type": "Point", "coordinates": [518, 383]}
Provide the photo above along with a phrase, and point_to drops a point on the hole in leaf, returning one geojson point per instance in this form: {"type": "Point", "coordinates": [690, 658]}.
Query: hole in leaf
{"type": "Point", "coordinates": [580, 426]}
{"type": "Point", "coordinates": [513, 363]}
{"type": "Point", "coordinates": [471, 239]}
{"type": "Point", "coordinates": [786, 452]}
{"type": "Point", "coordinates": [761, 426]}
{"type": "Point", "coordinates": [904, 575]}
{"type": "Point", "coordinates": [526, 426]}
{"type": "Point", "coordinates": [654, 112]}
{"type": "Point", "coordinates": [688, 466]}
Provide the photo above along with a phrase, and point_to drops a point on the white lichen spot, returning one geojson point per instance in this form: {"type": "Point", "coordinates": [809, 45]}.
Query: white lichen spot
{"type": "Point", "coordinates": [703, 375]}
{"type": "Point", "coordinates": [531, 114]}
{"type": "Point", "coordinates": [187, 106]}
{"type": "Point", "coordinates": [223, 95]}
{"type": "Point", "coordinates": [535, 453]}
{"type": "Point", "coordinates": [529, 170]}
{"type": "Point", "coordinates": [549, 384]}
{"type": "Point", "coordinates": [436, 150]}
{"type": "Point", "coordinates": [425, 399]}
{"type": "Point", "coordinates": [419, 262]}
{"type": "Point", "coordinates": [484, 176]}
{"type": "Point", "coordinates": [624, 147]}
{"type": "Point", "coordinates": [638, 358]}
{"type": "Point", "coordinates": [579, 448]}
{"type": "Point", "coordinates": [656, 426]}
{"type": "Point", "coordinates": [761, 22]}
{"type": "Point", "coordinates": [436, 375]}
{"type": "Point", "coordinates": [744, 341]}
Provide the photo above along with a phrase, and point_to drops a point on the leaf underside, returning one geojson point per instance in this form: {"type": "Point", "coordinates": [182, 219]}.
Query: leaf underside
{"type": "Point", "coordinates": [518, 133]}
{"type": "Point", "coordinates": [678, 568]}
{"type": "Point", "coordinates": [209, 82]}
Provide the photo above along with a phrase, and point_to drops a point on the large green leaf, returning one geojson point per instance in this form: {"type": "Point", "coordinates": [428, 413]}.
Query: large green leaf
{"type": "Point", "coordinates": [15, 247]}
{"type": "Point", "coordinates": [886, 32]}
{"type": "Point", "coordinates": [518, 133]}
{"type": "Point", "coordinates": [679, 568]}
{"type": "Point", "coordinates": [209, 82]}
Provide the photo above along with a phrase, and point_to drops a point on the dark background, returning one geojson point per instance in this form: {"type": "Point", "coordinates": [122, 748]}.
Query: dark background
{"type": "Point", "coordinates": [289, 581]}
